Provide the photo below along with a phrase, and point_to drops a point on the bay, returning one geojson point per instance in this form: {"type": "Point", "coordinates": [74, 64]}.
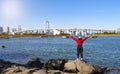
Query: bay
{"type": "Point", "coordinates": [103, 51]}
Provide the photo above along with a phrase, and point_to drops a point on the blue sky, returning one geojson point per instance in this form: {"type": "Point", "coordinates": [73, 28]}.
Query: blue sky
{"type": "Point", "coordinates": [30, 14]}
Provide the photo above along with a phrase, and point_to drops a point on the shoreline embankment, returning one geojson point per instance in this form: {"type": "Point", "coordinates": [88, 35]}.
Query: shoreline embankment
{"type": "Point", "coordinates": [52, 66]}
{"type": "Point", "coordinates": [107, 35]}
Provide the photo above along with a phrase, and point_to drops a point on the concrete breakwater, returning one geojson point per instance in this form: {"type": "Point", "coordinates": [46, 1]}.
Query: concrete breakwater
{"type": "Point", "coordinates": [52, 66]}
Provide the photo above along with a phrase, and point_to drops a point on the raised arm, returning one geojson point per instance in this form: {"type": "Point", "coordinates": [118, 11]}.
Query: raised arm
{"type": "Point", "coordinates": [73, 38]}
{"type": "Point", "coordinates": [85, 38]}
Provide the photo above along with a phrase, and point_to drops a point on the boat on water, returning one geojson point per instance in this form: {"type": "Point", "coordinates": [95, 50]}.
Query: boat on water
{"type": "Point", "coordinates": [4, 37]}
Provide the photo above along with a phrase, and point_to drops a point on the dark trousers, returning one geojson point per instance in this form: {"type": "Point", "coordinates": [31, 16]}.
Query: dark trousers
{"type": "Point", "coordinates": [79, 51]}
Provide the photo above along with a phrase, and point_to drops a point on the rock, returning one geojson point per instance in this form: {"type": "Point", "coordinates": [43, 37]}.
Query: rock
{"type": "Point", "coordinates": [70, 66]}
{"type": "Point", "coordinates": [55, 64]}
{"type": "Point", "coordinates": [54, 72]}
{"type": "Point", "coordinates": [98, 70]}
{"type": "Point", "coordinates": [57, 73]}
{"type": "Point", "coordinates": [35, 63]}
{"type": "Point", "coordinates": [82, 68]}
{"type": "Point", "coordinates": [41, 71]}
{"type": "Point", "coordinates": [15, 70]}
{"type": "Point", "coordinates": [107, 69]}
{"type": "Point", "coordinates": [5, 64]}
{"type": "Point", "coordinates": [21, 70]}
{"type": "Point", "coordinates": [32, 70]}
{"type": "Point", "coordinates": [3, 46]}
{"type": "Point", "coordinates": [119, 69]}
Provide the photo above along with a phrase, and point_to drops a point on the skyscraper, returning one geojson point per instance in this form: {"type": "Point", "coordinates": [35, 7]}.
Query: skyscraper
{"type": "Point", "coordinates": [19, 28]}
{"type": "Point", "coordinates": [1, 30]}
{"type": "Point", "coordinates": [14, 30]}
{"type": "Point", "coordinates": [8, 30]}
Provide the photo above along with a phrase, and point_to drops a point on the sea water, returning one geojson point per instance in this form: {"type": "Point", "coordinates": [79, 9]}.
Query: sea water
{"type": "Point", "coordinates": [103, 51]}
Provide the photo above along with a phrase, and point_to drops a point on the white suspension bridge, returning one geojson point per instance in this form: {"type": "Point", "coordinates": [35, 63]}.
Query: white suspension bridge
{"type": "Point", "coordinates": [73, 31]}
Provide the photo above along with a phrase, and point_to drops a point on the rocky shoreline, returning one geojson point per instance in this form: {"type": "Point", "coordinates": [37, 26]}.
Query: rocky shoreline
{"type": "Point", "coordinates": [52, 66]}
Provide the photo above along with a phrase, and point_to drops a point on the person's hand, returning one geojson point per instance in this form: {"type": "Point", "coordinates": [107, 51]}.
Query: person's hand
{"type": "Point", "coordinates": [88, 36]}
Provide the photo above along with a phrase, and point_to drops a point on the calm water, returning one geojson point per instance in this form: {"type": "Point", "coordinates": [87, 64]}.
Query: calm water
{"type": "Point", "coordinates": [103, 51]}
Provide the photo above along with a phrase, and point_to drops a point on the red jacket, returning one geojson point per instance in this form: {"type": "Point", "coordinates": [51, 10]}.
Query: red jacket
{"type": "Point", "coordinates": [80, 42]}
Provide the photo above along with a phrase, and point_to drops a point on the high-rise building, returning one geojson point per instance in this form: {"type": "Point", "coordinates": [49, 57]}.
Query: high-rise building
{"type": "Point", "coordinates": [7, 30]}
{"type": "Point", "coordinates": [14, 30]}
{"type": "Point", "coordinates": [1, 30]}
{"type": "Point", "coordinates": [19, 28]}
{"type": "Point", "coordinates": [47, 24]}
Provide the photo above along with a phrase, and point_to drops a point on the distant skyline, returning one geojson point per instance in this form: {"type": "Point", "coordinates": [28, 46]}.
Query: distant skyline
{"type": "Point", "coordinates": [30, 14]}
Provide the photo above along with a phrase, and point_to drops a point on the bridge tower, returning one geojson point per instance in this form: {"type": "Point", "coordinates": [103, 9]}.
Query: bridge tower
{"type": "Point", "coordinates": [47, 27]}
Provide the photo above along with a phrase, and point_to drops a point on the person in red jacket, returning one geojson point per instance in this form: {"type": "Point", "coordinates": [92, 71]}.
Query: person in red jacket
{"type": "Point", "coordinates": [79, 41]}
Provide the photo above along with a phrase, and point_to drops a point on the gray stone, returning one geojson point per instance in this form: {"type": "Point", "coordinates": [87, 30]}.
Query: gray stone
{"type": "Point", "coordinates": [82, 68]}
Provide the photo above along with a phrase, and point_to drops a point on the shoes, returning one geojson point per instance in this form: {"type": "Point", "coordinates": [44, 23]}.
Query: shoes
{"type": "Point", "coordinates": [77, 59]}
{"type": "Point", "coordinates": [81, 59]}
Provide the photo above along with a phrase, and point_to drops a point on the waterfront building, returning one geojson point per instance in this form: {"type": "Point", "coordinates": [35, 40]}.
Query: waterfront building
{"type": "Point", "coordinates": [14, 30]}
{"type": "Point", "coordinates": [56, 32]}
{"type": "Point", "coordinates": [7, 30]}
{"type": "Point", "coordinates": [118, 30]}
{"type": "Point", "coordinates": [19, 28]}
{"type": "Point", "coordinates": [1, 30]}
{"type": "Point", "coordinates": [71, 31]}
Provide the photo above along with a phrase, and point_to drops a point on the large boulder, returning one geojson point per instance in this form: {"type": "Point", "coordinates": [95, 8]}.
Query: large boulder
{"type": "Point", "coordinates": [55, 64]}
{"type": "Point", "coordinates": [70, 66]}
{"type": "Point", "coordinates": [34, 63]}
{"type": "Point", "coordinates": [6, 64]}
{"type": "Point", "coordinates": [82, 68]}
{"type": "Point", "coordinates": [15, 70]}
